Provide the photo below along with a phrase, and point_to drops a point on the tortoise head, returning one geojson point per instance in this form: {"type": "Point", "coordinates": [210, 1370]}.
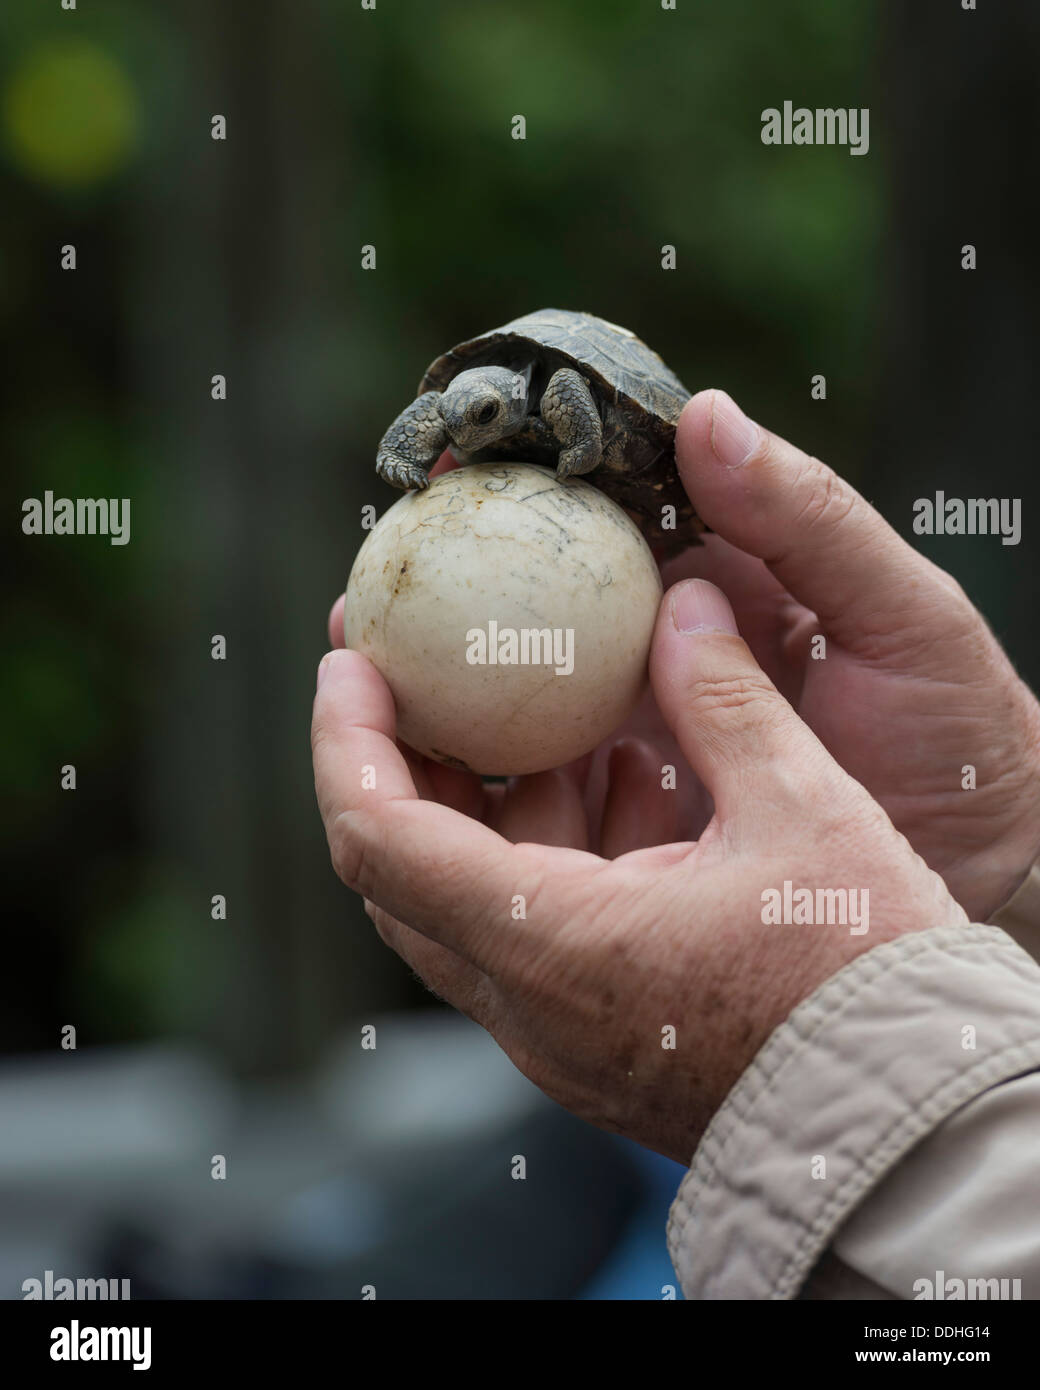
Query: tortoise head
{"type": "Point", "coordinates": [483, 404]}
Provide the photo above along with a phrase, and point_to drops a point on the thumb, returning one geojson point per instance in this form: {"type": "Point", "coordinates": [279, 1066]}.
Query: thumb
{"type": "Point", "coordinates": [735, 729]}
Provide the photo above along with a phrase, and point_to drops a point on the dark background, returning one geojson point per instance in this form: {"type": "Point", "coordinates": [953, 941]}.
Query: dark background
{"type": "Point", "coordinates": [348, 127]}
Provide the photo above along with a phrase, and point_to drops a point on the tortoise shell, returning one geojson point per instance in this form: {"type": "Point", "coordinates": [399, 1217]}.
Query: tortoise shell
{"type": "Point", "coordinates": [639, 400]}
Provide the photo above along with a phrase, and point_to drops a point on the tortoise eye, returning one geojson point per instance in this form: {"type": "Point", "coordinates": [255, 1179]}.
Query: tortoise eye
{"type": "Point", "coordinates": [487, 413]}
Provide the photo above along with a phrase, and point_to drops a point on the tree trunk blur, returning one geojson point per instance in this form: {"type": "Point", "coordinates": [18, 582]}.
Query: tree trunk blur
{"type": "Point", "coordinates": [957, 92]}
{"type": "Point", "coordinates": [244, 523]}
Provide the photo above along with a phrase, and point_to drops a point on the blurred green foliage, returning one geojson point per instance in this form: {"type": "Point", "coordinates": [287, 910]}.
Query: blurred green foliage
{"type": "Point", "coordinates": [70, 114]}
{"type": "Point", "coordinates": [642, 129]}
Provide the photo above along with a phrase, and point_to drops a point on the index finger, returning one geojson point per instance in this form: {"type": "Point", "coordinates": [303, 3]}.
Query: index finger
{"type": "Point", "coordinates": [822, 540]}
{"type": "Point", "coordinates": [449, 877]}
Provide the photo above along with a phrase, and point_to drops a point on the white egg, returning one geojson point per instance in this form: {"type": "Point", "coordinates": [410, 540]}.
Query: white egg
{"type": "Point", "coordinates": [509, 612]}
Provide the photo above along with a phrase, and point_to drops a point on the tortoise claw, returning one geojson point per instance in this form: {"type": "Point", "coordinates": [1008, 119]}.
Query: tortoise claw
{"type": "Point", "coordinates": [399, 473]}
{"type": "Point", "coordinates": [581, 458]}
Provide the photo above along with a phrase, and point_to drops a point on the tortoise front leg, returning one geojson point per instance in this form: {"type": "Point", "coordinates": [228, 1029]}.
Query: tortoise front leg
{"type": "Point", "coordinates": [569, 408]}
{"type": "Point", "coordinates": [413, 443]}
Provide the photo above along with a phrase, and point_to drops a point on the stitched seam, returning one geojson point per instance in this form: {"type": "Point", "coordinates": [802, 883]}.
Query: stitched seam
{"type": "Point", "coordinates": [904, 1132]}
{"type": "Point", "coordinates": [789, 1041]}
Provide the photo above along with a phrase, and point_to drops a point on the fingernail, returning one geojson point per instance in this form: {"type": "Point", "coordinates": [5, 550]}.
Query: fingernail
{"type": "Point", "coordinates": [698, 606]}
{"type": "Point", "coordinates": [734, 438]}
{"type": "Point", "coordinates": [323, 666]}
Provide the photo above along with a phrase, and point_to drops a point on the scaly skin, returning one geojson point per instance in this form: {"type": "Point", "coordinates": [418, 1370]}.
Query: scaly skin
{"type": "Point", "coordinates": [569, 409]}
{"type": "Point", "coordinates": [413, 443]}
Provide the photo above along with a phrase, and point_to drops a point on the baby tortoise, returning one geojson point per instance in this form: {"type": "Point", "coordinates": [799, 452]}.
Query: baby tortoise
{"type": "Point", "coordinates": [562, 389]}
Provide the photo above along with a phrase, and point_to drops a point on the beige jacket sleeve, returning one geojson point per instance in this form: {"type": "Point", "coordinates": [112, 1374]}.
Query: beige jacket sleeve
{"type": "Point", "coordinates": [847, 1162]}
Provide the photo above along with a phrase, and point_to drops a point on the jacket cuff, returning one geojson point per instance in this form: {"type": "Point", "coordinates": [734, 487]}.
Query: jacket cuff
{"type": "Point", "coordinates": [872, 1062]}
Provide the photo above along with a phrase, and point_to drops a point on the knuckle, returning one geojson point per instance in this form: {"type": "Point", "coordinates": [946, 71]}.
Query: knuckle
{"type": "Point", "coordinates": [730, 700]}
{"type": "Point", "coordinates": [829, 500]}
{"type": "Point", "coordinates": [349, 852]}
{"type": "Point", "coordinates": [387, 928]}
{"type": "Point", "coordinates": [321, 734]}
{"type": "Point", "coordinates": [955, 596]}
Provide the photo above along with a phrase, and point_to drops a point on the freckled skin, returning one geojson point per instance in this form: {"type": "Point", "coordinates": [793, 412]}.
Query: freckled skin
{"type": "Point", "coordinates": [538, 554]}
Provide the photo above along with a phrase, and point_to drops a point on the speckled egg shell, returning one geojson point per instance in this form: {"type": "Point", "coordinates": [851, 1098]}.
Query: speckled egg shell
{"type": "Point", "coordinates": [492, 549]}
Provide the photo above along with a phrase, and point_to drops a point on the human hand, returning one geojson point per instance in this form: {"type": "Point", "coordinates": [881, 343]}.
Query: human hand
{"type": "Point", "coordinates": [575, 963]}
{"type": "Point", "coordinates": [913, 686]}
